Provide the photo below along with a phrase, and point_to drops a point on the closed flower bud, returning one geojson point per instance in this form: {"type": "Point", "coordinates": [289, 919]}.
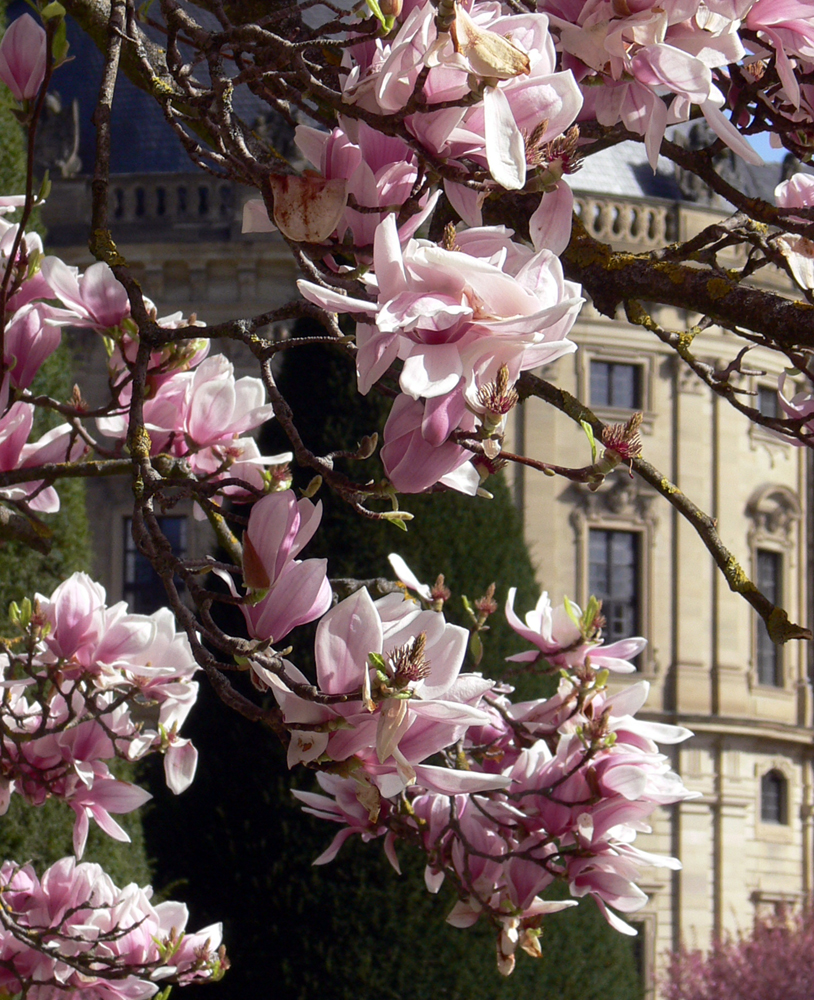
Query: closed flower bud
{"type": "Point", "coordinates": [22, 57]}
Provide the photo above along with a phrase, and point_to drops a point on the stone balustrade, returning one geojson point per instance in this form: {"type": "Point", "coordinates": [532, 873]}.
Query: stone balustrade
{"type": "Point", "coordinates": [627, 221]}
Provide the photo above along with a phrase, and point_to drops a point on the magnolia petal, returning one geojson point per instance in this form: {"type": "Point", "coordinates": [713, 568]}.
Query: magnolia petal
{"type": "Point", "coordinates": [550, 225]}
{"type": "Point", "coordinates": [390, 852]}
{"type": "Point", "coordinates": [332, 300]}
{"type": "Point", "coordinates": [180, 764]}
{"type": "Point", "coordinates": [393, 723]}
{"type": "Point", "coordinates": [407, 577]}
{"type": "Point", "coordinates": [433, 880]}
{"type": "Point", "coordinates": [308, 209]}
{"type": "Point", "coordinates": [345, 637]}
{"type": "Point", "coordinates": [505, 147]}
{"type": "Point", "coordinates": [725, 130]}
{"type": "Point", "coordinates": [446, 781]}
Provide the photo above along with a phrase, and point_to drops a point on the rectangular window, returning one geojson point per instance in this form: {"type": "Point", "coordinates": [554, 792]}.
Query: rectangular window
{"type": "Point", "coordinates": [614, 578]}
{"type": "Point", "coordinates": [773, 798]}
{"type": "Point", "coordinates": [767, 401]}
{"type": "Point", "coordinates": [143, 589]}
{"type": "Point", "coordinates": [617, 385]}
{"type": "Point", "coordinates": [769, 579]}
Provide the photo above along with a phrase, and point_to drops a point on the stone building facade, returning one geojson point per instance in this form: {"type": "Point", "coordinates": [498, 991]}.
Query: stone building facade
{"type": "Point", "coordinates": [746, 843]}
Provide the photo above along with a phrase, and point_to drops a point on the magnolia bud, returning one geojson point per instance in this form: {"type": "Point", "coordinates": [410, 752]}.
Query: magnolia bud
{"type": "Point", "coordinates": [390, 8]}
{"type": "Point", "coordinates": [22, 57]}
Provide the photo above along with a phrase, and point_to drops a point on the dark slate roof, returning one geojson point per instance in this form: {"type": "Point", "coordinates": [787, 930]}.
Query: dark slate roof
{"type": "Point", "coordinates": [624, 170]}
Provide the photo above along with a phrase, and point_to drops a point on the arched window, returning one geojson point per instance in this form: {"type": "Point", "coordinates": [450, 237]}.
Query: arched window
{"type": "Point", "coordinates": [774, 798]}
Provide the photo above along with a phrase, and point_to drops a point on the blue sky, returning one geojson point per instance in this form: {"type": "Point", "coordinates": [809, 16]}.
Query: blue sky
{"type": "Point", "coordinates": [761, 144]}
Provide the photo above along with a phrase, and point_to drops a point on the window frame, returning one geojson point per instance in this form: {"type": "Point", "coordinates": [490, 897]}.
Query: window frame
{"type": "Point", "coordinates": [761, 638]}
{"type": "Point", "coordinates": [768, 831]}
{"type": "Point", "coordinates": [776, 521]}
{"type": "Point", "coordinates": [638, 379]}
{"type": "Point", "coordinates": [644, 362]}
{"type": "Point", "coordinates": [130, 589]}
{"type": "Point", "coordinates": [636, 516]}
{"type": "Point", "coordinates": [781, 783]}
{"type": "Point", "coordinates": [636, 537]}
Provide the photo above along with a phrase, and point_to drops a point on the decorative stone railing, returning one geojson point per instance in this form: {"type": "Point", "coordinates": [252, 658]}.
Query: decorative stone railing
{"type": "Point", "coordinates": [196, 206]}
{"type": "Point", "coordinates": [171, 199]}
{"type": "Point", "coordinates": [629, 222]}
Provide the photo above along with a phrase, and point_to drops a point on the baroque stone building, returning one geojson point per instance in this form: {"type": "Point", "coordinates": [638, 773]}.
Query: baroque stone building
{"type": "Point", "coordinates": [746, 842]}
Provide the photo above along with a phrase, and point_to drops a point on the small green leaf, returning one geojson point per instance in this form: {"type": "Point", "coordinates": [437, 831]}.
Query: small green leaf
{"type": "Point", "coordinates": [476, 648]}
{"type": "Point", "coordinates": [469, 609]}
{"type": "Point", "coordinates": [589, 433]}
{"type": "Point", "coordinates": [397, 517]}
{"type": "Point", "coordinates": [385, 21]}
{"type": "Point", "coordinates": [45, 187]}
{"type": "Point", "coordinates": [60, 44]}
{"type": "Point", "coordinates": [53, 9]}
{"type": "Point", "coordinates": [593, 609]}
{"type": "Point", "coordinates": [571, 611]}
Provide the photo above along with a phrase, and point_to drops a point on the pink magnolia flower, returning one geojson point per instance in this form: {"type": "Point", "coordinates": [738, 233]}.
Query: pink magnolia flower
{"type": "Point", "coordinates": [218, 408]}
{"type": "Point", "coordinates": [450, 313]}
{"type": "Point", "coordinates": [106, 664]}
{"type": "Point", "coordinates": [96, 297]}
{"type": "Point", "coordinates": [124, 945]}
{"type": "Point", "coordinates": [416, 453]}
{"type": "Point", "coordinates": [60, 444]}
{"type": "Point", "coordinates": [404, 708]}
{"type": "Point", "coordinates": [788, 27]}
{"type": "Point", "coordinates": [521, 92]}
{"type": "Point", "coordinates": [380, 170]}
{"type": "Point", "coordinates": [648, 52]}
{"type": "Point", "coordinates": [287, 592]}
{"type": "Point", "coordinates": [22, 57]}
{"type": "Point", "coordinates": [192, 411]}
{"type": "Point", "coordinates": [30, 339]}
{"type": "Point", "coordinates": [797, 192]}
{"type": "Point", "coordinates": [799, 407]}
{"type": "Point", "coordinates": [559, 638]}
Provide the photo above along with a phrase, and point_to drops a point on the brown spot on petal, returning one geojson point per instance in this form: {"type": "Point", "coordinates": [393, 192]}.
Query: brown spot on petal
{"type": "Point", "coordinates": [308, 209]}
{"type": "Point", "coordinates": [255, 574]}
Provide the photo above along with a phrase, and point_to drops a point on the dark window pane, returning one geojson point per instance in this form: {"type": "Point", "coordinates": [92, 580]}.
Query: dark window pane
{"type": "Point", "coordinates": [767, 401]}
{"type": "Point", "coordinates": [143, 589]}
{"type": "Point", "coordinates": [773, 798]}
{"type": "Point", "coordinates": [769, 659]}
{"type": "Point", "coordinates": [600, 383]}
{"type": "Point", "coordinates": [613, 578]}
{"type": "Point", "coordinates": [615, 384]}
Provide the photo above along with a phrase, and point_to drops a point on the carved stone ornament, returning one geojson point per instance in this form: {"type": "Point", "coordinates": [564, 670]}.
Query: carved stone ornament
{"type": "Point", "coordinates": [618, 498]}
{"type": "Point", "coordinates": [773, 510]}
